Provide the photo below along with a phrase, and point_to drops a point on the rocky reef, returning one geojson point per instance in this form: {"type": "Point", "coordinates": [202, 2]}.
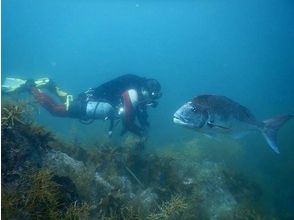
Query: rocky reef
{"type": "Point", "coordinates": [44, 177]}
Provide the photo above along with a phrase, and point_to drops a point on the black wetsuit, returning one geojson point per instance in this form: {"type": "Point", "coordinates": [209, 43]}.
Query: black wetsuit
{"type": "Point", "coordinates": [112, 91]}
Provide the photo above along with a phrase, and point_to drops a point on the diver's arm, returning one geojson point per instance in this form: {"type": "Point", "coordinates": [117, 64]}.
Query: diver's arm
{"type": "Point", "coordinates": [142, 116]}
{"type": "Point", "coordinates": [130, 102]}
{"type": "Point", "coordinates": [133, 128]}
{"type": "Point", "coordinates": [111, 125]}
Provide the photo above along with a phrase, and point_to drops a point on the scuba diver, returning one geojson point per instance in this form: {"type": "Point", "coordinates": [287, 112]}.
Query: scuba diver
{"type": "Point", "coordinates": [124, 98]}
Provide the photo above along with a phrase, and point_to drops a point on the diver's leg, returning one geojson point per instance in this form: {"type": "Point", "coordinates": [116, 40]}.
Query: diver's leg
{"type": "Point", "coordinates": [61, 94]}
{"type": "Point", "coordinates": [51, 86]}
{"type": "Point", "coordinates": [14, 85]}
{"type": "Point", "coordinates": [49, 104]}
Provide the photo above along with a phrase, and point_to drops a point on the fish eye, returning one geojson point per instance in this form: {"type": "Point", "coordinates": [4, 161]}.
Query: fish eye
{"type": "Point", "coordinates": [194, 109]}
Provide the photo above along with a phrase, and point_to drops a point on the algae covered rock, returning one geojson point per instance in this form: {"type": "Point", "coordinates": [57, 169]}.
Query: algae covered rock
{"type": "Point", "coordinates": [63, 164]}
{"type": "Point", "coordinates": [45, 178]}
{"type": "Point", "coordinates": [23, 144]}
{"type": "Point", "coordinates": [33, 190]}
{"type": "Point", "coordinates": [217, 199]}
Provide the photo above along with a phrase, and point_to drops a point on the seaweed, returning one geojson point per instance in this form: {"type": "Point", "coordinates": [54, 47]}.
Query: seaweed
{"type": "Point", "coordinates": [12, 114]}
{"type": "Point", "coordinates": [110, 204]}
{"type": "Point", "coordinates": [172, 209]}
{"type": "Point", "coordinates": [247, 213]}
{"type": "Point", "coordinates": [78, 211]}
{"type": "Point", "coordinates": [45, 177]}
{"type": "Point", "coordinates": [244, 190]}
{"type": "Point", "coordinates": [116, 205]}
{"type": "Point", "coordinates": [42, 197]}
{"type": "Point", "coordinates": [10, 203]}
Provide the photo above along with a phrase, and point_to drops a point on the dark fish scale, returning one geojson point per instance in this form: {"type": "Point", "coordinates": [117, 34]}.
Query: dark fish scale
{"type": "Point", "coordinates": [213, 114]}
{"type": "Point", "coordinates": [224, 107]}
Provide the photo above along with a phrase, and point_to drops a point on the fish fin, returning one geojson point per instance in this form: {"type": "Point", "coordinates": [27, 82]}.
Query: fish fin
{"type": "Point", "coordinates": [211, 124]}
{"type": "Point", "coordinates": [270, 130]}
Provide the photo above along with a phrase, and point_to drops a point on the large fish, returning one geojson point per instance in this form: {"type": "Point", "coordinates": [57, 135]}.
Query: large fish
{"type": "Point", "coordinates": [212, 114]}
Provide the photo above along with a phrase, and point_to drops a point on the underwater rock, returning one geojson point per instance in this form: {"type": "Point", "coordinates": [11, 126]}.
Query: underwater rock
{"type": "Point", "coordinates": [67, 189]}
{"type": "Point", "coordinates": [20, 154]}
{"type": "Point", "coordinates": [174, 208]}
{"type": "Point", "coordinates": [217, 199]}
{"type": "Point", "coordinates": [123, 184]}
{"type": "Point", "coordinates": [101, 181]}
{"type": "Point", "coordinates": [117, 182]}
{"type": "Point", "coordinates": [82, 176]}
{"type": "Point", "coordinates": [148, 198]}
{"type": "Point", "coordinates": [63, 164]}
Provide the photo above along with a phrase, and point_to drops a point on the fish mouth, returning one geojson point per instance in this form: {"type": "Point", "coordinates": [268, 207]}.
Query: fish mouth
{"type": "Point", "coordinates": [179, 120]}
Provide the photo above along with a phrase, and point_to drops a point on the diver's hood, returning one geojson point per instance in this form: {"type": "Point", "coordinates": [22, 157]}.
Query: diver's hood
{"type": "Point", "coordinates": [153, 87]}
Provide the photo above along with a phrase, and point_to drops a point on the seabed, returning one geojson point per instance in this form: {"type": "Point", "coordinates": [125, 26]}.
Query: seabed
{"type": "Point", "coordinates": [45, 177]}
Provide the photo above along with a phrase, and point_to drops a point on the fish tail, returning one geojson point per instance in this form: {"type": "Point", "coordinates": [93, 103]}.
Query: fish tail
{"type": "Point", "coordinates": [271, 128]}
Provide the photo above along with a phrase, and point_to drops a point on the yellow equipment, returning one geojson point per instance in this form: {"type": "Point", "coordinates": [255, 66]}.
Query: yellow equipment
{"type": "Point", "coordinates": [11, 85]}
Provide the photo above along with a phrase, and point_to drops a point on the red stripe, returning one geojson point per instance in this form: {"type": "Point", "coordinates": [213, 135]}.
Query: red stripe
{"type": "Point", "coordinates": [128, 109]}
{"type": "Point", "coordinates": [49, 104]}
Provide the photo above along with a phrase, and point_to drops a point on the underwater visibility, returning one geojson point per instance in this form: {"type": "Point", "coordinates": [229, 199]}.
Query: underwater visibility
{"type": "Point", "coordinates": [97, 96]}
